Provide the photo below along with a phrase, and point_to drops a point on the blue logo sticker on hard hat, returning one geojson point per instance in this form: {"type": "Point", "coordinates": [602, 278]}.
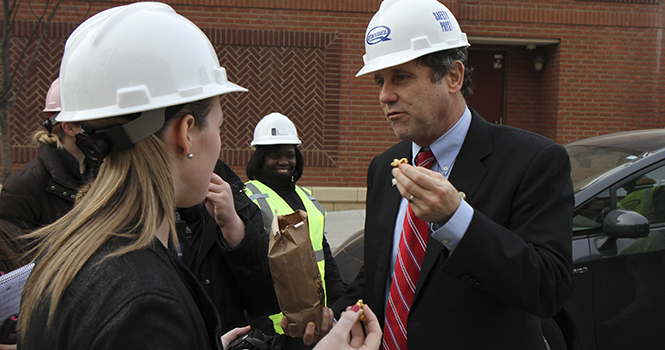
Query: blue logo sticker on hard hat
{"type": "Point", "coordinates": [377, 34]}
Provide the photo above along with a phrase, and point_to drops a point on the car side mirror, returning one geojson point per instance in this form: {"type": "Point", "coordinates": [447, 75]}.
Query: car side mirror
{"type": "Point", "coordinates": [621, 223]}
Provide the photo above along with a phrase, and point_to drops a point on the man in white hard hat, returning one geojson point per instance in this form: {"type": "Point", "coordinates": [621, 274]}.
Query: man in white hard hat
{"type": "Point", "coordinates": [473, 247]}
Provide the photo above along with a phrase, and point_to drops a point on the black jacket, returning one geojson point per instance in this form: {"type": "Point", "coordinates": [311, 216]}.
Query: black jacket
{"type": "Point", "coordinates": [237, 279]}
{"type": "Point", "coordinates": [144, 299]}
{"type": "Point", "coordinates": [43, 190]}
{"type": "Point", "coordinates": [514, 263]}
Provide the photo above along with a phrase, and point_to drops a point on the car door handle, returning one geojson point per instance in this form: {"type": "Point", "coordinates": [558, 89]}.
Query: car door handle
{"type": "Point", "coordinates": [580, 270]}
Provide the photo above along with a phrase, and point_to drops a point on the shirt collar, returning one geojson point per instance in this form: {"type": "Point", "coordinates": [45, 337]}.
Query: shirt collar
{"type": "Point", "coordinates": [447, 147]}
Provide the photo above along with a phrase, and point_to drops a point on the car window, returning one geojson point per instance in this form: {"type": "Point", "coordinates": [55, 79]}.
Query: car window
{"type": "Point", "coordinates": [589, 163]}
{"type": "Point", "coordinates": [645, 195]}
{"type": "Point", "coordinates": [590, 215]}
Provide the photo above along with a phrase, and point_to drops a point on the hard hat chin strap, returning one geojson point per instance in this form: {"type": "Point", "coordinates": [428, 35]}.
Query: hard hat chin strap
{"type": "Point", "coordinates": [97, 144]}
{"type": "Point", "coordinates": [49, 122]}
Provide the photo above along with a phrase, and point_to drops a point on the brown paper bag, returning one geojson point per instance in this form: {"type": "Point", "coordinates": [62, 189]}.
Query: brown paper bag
{"type": "Point", "coordinates": [295, 274]}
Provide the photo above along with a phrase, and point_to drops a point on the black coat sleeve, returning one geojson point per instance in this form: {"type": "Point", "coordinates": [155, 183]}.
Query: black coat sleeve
{"type": "Point", "coordinates": [356, 289]}
{"type": "Point", "coordinates": [22, 195]}
{"type": "Point", "coordinates": [526, 259]}
{"type": "Point", "coordinates": [248, 262]}
{"type": "Point", "coordinates": [238, 279]}
{"type": "Point", "coordinates": [353, 292]}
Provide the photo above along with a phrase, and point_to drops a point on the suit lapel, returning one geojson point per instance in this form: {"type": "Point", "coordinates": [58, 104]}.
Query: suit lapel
{"type": "Point", "coordinates": [389, 211]}
{"type": "Point", "coordinates": [469, 171]}
{"type": "Point", "coordinates": [467, 174]}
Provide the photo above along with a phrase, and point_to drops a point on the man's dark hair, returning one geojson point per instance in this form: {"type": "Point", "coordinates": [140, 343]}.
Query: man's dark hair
{"type": "Point", "coordinates": [441, 62]}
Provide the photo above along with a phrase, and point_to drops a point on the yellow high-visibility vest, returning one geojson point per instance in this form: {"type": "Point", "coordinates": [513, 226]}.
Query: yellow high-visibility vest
{"type": "Point", "coordinates": [269, 201]}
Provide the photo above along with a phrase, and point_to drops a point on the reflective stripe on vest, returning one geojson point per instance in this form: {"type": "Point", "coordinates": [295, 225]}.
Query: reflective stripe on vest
{"type": "Point", "coordinates": [641, 201]}
{"type": "Point", "coordinates": [270, 202]}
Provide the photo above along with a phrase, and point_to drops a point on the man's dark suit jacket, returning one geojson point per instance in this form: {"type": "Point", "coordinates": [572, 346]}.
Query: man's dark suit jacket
{"type": "Point", "coordinates": [513, 264]}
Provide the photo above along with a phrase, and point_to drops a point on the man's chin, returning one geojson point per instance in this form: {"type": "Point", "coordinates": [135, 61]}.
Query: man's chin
{"type": "Point", "coordinates": [402, 133]}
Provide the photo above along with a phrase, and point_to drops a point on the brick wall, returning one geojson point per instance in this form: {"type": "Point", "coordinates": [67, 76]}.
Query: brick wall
{"type": "Point", "coordinates": [606, 75]}
{"type": "Point", "coordinates": [300, 57]}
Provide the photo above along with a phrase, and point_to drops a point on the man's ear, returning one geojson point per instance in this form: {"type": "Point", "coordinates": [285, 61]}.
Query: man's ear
{"type": "Point", "coordinates": [184, 127]}
{"type": "Point", "coordinates": [455, 77]}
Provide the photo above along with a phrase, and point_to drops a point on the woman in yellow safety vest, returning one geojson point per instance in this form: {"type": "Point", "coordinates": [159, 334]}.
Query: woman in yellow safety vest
{"type": "Point", "coordinates": [273, 170]}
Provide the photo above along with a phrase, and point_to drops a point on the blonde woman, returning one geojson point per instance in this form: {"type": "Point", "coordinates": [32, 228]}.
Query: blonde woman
{"type": "Point", "coordinates": [44, 189]}
{"type": "Point", "coordinates": [145, 84]}
{"type": "Point", "coordinates": [106, 275]}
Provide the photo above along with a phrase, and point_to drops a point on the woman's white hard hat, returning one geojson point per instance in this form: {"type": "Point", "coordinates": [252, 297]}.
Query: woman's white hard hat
{"type": "Point", "coordinates": [137, 58]}
{"type": "Point", "coordinates": [275, 129]}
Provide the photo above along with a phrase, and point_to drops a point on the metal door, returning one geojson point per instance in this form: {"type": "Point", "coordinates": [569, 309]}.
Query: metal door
{"type": "Point", "coordinates": [489, 83]}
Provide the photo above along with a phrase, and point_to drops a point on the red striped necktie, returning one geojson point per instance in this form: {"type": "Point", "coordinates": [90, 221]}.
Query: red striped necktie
{"type": "Point", "coordinates": [412, 246]}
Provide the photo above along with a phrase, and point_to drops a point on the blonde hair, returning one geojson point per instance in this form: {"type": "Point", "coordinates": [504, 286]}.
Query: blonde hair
{"type": "Point", "coordinates": [53, 138]}
{"type": "Point", "coordinates": [131, 196]}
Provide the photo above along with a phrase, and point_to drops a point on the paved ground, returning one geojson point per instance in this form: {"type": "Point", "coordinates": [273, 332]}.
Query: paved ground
{"type": "Point", "coordinates": [341, 224]}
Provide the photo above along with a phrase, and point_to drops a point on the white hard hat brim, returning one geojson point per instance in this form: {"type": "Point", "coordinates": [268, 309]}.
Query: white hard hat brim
{"type": "Point", "coordinates": [159, 102]}
{"type": "Point", "coordinates": [404, 30]}
{"type": "Point", "coordinates": [277, 141]}
{"type": "Point", "coordinates": [135, 58]}
{"type": "Point", "coordinates": [401, 57]}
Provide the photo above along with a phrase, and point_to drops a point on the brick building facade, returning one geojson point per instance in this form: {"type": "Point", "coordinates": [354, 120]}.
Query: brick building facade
{"type": "Point", "coordinates": [604, 71]}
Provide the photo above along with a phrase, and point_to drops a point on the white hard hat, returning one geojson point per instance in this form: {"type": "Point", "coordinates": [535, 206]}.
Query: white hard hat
{"type": "Point", "coordinates": [403, 30]}
{"type": "Point", "coordinates": [275, 129]}
{"type": "Point", "coordinates": [52, 101]}
{"type": "Point", "coordinates": [137, 58]}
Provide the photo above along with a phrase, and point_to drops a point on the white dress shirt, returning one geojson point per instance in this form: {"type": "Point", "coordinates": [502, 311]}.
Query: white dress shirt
{"type": "Point", "coordinates": [445, 149]}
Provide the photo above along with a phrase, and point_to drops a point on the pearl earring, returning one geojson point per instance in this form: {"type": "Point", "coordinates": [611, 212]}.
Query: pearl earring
{"type": "Point", "coordinates": [190, 156]}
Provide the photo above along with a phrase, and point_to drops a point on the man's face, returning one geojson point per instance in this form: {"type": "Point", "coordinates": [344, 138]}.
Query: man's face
{"type": "Point", "coordinates": [419, 110]}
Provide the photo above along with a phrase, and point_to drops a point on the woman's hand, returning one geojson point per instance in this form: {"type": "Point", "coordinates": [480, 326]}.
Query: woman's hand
{"type": "Point", "coordinates": [219, 203]}
{"type": "Point", "coordinates": [348, 333]}
{"type": "Point", "coordinates": [233, 334]}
